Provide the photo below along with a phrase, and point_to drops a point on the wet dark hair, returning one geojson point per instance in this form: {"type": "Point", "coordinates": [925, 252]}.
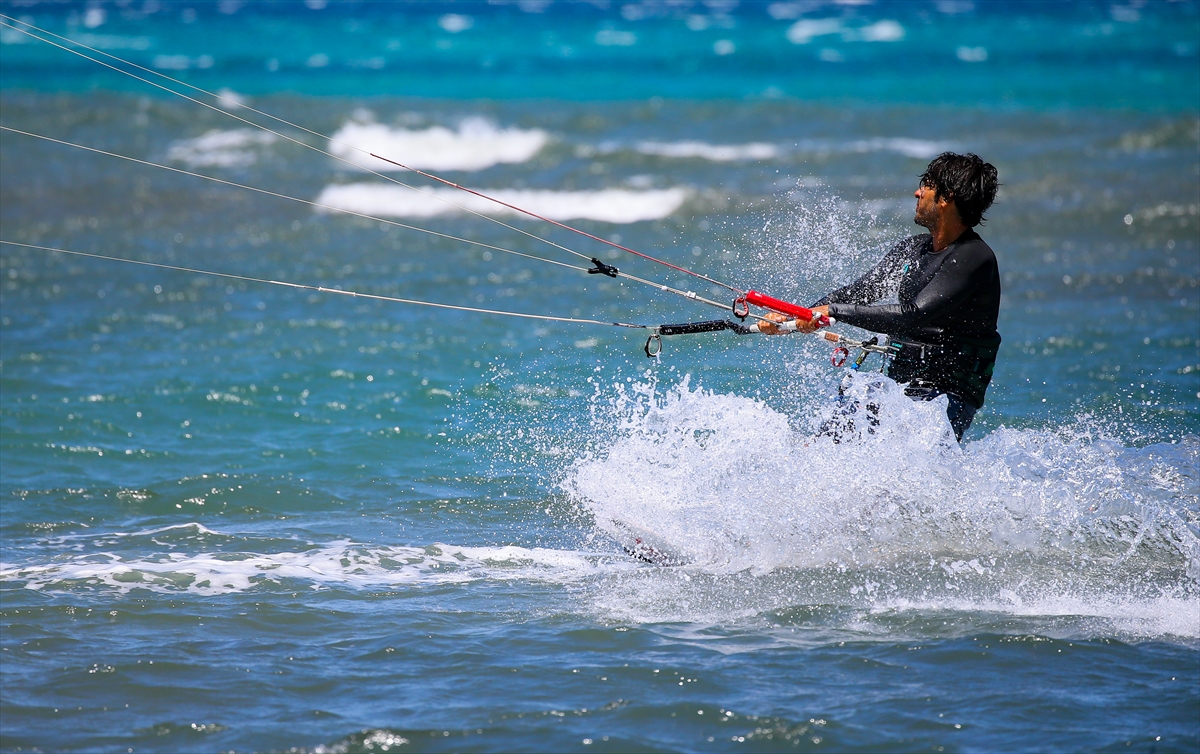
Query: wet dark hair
{"type": "Point", "coordinates": [966, 179]}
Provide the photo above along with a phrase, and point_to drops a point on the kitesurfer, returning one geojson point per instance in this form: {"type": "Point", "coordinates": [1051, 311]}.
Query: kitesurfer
{"type": "Point", "coordinates": [947, 288]}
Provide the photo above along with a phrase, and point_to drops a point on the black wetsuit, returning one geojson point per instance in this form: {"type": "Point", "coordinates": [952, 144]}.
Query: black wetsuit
{"type": "Point", "coordinates": [944, 318]}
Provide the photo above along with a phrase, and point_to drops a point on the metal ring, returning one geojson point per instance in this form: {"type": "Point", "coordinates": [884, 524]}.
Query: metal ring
{"type": "Point", "coordinates": [656, 339]}
{"type": "Point", "coordinates": [840, 354]}
{"type": "Point", "coordinates": [744, 311]}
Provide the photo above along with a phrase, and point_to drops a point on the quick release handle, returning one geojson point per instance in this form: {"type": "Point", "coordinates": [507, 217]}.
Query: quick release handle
{"type": "Point", "coordinates": [783, 307]}
{"type": "Point", "coordinates": [778, 327]}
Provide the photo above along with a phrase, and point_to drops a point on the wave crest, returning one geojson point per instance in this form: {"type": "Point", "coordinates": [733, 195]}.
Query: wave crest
{"type": "Point", "coordinates": [606, 205]}
{"type": "Point", "coordinates": [334, 565]}
{"type": "Point", "coordinates": [476, 144]}
{"type": "Point", "coordinates": [221, 149]}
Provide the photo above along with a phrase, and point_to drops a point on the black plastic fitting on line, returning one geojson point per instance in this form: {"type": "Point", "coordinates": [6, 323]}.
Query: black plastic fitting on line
{"type": "Point", "coordinates": [603, 269]}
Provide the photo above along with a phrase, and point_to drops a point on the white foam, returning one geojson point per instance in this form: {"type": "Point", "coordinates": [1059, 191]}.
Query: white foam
{"type": "Point", "coordinates": [113, 41]}
{"type": "Point", "coordinates": [714, 152]}
{"type": "Point", "coordinates": [615, 38]}
{"type": "Point", "coordinates": [227, 99]}
{"type": "Point", "coordinates": [1148, 616]}
{"type": "Point", "coordinates": [339, 564]}
{"type": "Point", "coordinates": [971, 54]}
{"type": "Point", "coordinates": [94, 17]}
{"type": "Point", "coordinates": [1045, 518]}
{"type": "Point", "coordinates": [922, 149]}
{"type": "Point", "coordinates": [881, 31]}
{"type": "Point", "coordinates": [455, 23]}
{"type": "Point", "coordinates": [607, 205]}
{"type": "Point", "coordinates": [182, 62]}
{"type": "Point", "coordinates": [476, 145]}
{"type": "Point", "coordinates": [223, 149]}
{"type": "Point", "coordinates": [807, 29]}
{"type": "Point", "coordinates": [192, 527]}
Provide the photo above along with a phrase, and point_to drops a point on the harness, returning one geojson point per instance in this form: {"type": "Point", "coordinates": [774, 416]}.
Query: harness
{"type": "Point", "coordinates": [963, 366]}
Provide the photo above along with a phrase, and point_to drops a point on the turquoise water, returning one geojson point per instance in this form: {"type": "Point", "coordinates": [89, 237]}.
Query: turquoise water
{"type": "Point", "coordinates": [244, 517]}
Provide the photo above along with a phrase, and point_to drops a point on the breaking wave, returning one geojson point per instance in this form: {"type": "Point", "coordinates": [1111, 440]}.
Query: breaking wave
{"type": "Point", "coordinates": [807, 29]}
{"type": "Point", "coordinates": [192, 558]}
{"type": "Point", "coordinates": [221, 149]}
{"type": "Point", "coordinates": [606, 205]}
{"type": "Point", "coordinates": [917, 149]}
{"type": "Point", "coordinates": [713, 152]}
{"type": "Point", "coordinates": [476, 144]}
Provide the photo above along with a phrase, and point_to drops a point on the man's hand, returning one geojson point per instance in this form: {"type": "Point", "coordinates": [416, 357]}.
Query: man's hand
{"type": "Point", "coordinates": [805, 326]}
{"type": "Point", "coordinates": [812, 326]}
{"type": "Point", "coordinates": [767, 326]}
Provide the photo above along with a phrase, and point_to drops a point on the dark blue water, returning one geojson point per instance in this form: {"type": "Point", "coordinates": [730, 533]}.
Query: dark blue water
{"type": "Point", "coordinates": [244, 517]}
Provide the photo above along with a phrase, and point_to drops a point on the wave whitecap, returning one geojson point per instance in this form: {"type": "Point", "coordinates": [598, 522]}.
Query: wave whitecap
{"type": "Point", "coordinates": [334, 565]}
{"type": "Point", "coordinates": [605, 205]}
{"type": "Point", "coordinates": [713, 152]}
{"type": "Point", "coordinates": [806, 30]}
{"type": "Point", "coordinates": [221, 149]}
{"type": "Point", "coordinates": [476, 145]}
{"type": "Point", "coordinates": [921, 149]}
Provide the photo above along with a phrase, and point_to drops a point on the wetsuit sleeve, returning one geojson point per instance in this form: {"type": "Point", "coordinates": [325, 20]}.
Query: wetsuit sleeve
{"type": "Point", "coordinates": [958, 278]}
{"type": "Point", "coordinates": [878, 282]}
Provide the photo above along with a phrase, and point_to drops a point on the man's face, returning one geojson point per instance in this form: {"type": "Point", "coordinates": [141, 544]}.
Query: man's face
{"type": "Point", "coordinates": [927, 206]}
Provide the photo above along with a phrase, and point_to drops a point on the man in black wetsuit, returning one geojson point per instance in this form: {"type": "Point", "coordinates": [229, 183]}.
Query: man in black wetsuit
{"type": "Point", "coordinates": [947, 286]}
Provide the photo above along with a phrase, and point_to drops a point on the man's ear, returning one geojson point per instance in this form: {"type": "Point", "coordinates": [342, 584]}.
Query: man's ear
{"type": "Point", "coordinates": [946, 200]}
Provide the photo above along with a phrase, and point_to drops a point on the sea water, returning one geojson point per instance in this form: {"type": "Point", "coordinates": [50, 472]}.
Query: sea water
{"type": "Point", "coordinates": [245, 517]}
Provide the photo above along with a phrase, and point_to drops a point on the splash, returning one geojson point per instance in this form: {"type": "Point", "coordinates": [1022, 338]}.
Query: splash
{"type": "Point", "coordinates": [816, 241]}
{"type": "Point", "coordinates": [891, 513]}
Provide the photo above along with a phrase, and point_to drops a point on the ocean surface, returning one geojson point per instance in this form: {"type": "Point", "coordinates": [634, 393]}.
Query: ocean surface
{"type": "Point", "coordinates": [238, 516]}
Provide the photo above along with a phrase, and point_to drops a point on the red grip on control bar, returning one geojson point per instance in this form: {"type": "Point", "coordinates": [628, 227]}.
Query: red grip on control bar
{"type": "Point", "coordinates": [783, 307]}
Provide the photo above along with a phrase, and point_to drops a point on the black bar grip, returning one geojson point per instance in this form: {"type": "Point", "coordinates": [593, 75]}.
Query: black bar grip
{"type": "Point", "coordinates": [712, 325]}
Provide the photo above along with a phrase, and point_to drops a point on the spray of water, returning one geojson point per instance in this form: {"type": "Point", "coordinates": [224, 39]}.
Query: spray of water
{"type": "Point", "coordinates": [890, 511]}
{"type": "Point", "coordinates": [815, 241]}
